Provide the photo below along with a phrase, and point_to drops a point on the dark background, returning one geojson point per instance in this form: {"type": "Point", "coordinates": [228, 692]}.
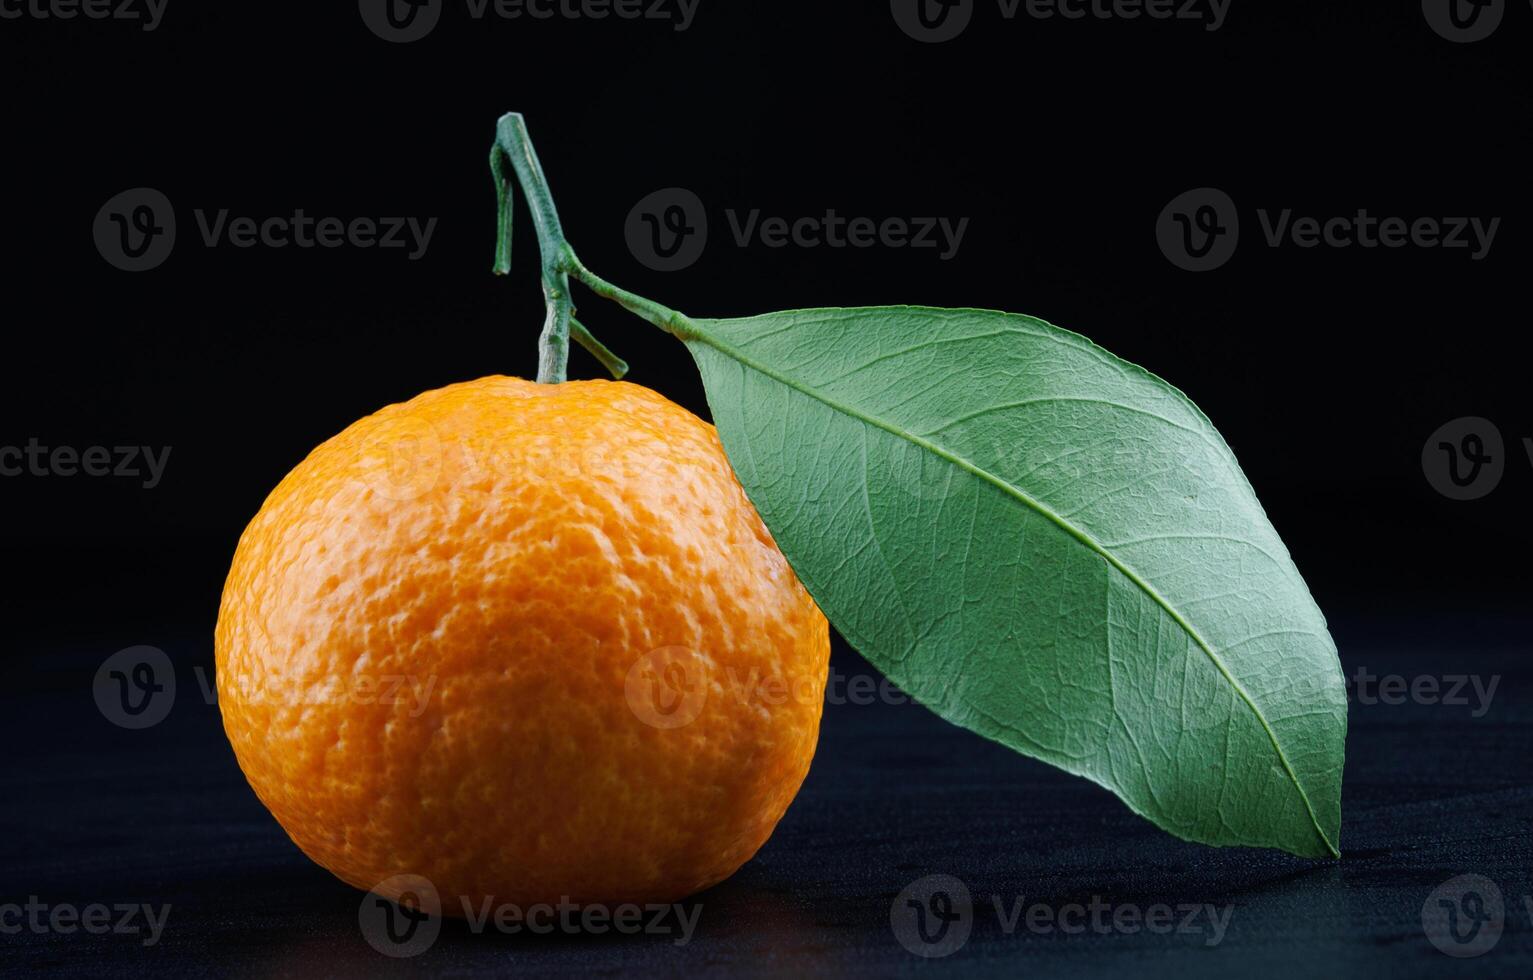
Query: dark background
{"type": "Point", "coordinates": [1326, 369]}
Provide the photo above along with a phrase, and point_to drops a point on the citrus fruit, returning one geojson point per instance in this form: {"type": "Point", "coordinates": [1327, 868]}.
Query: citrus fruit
{"type": "Point", "coordinates": [530, 642]}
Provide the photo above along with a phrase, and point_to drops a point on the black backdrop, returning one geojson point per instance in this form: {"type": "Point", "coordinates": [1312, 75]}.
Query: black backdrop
{"type": "Point", "coordinates": [1061, 141]}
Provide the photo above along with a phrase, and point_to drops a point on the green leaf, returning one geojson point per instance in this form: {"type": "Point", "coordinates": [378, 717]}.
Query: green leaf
{"type": "Point", "coordinates": [1047, 545]}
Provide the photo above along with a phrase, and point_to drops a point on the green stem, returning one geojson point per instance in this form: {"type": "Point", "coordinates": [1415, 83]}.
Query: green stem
{"type": "Point", "coordinates": [661, 316]}
{"type": "Point", "coordinates": [513, 146]}
{"type": "Point", "coordinates": [598, 350]}
{"type": "Point", "coordinates": [554, 345]}
{"type": "Point", "coordinates": [503, 210]}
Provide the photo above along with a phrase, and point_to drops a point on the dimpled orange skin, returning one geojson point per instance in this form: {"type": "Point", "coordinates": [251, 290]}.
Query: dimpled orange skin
{"type": "Point", "coordinates": [426, 633]}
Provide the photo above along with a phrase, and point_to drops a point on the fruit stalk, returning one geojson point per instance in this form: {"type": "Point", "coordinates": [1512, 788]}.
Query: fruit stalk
{"type": "Point", "coordinates": [515, 148]}
{"type": "Point", "coordinates": [513, 151]}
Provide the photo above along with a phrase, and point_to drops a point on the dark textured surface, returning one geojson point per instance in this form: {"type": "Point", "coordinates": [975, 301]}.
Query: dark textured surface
{"type": "Point", "coordinates": [95, 813]}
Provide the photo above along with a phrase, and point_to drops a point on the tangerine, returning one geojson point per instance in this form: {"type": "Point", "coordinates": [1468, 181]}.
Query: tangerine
{"type": "Point", "coordinates": [511, 638]}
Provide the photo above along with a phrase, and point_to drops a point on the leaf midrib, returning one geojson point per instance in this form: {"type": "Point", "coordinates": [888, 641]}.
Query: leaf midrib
{"type": "Point", "coordinates": [697, 332]}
